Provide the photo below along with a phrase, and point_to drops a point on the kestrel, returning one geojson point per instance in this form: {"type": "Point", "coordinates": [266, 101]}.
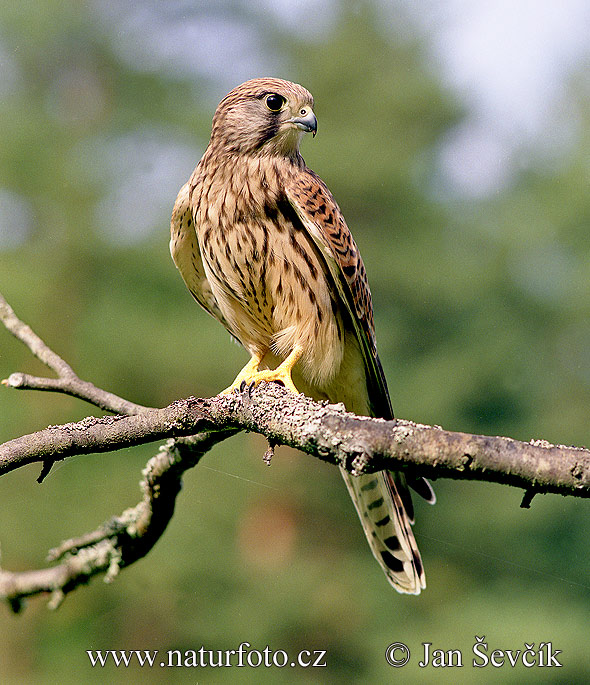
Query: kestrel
{"type": "Point", "coordinates": [263, 247]}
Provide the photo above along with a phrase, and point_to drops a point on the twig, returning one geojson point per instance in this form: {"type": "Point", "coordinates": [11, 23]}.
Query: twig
{"type": "Point", "coordinates": [527, 498]}
{"type": "Point", "coordinates": [26, 335]}
{"type": "Point", "coordinates": [67, 381]}
{"type": "Point", "coordinates": [118, 542]}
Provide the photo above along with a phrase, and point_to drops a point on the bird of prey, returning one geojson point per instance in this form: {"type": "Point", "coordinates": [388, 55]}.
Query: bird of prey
{"type": "Point", "coordinates": [263, 247]}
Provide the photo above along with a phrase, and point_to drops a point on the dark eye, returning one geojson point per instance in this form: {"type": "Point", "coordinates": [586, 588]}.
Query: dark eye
{"type": "Point", "coordinates": [274, 102]}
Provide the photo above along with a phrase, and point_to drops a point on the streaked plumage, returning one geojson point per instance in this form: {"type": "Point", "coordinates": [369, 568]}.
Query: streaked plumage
{"type": "Point", "coordinates": [263, 247]}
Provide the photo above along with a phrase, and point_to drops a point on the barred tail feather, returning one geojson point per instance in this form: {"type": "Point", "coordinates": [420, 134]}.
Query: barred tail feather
{"type": "Point", "coordinates": [379, 504]}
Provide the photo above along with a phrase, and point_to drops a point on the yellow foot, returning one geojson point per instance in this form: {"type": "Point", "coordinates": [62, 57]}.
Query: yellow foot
{"type": "Point", "coordinates": [282, 374]}
{"type": "Point", "coordinates": [245, 374]}
{"type": "Point", "coordinates": [277, 375]}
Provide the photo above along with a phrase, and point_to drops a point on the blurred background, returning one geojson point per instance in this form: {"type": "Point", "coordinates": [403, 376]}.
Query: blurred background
{"type": "Point", "coordinates": [456, 137]}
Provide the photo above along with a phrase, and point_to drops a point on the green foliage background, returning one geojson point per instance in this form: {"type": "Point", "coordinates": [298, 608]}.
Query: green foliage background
{"type": "Point", "coordinates": [482, 313]}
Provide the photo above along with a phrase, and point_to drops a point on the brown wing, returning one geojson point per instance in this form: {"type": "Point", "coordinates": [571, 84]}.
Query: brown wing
{"type": "Point", "coordinates": [320, 214]}
{"type": "Point", "coordinates": [323, 219]}
{"type": "Point", "coordinates": [382, 500]}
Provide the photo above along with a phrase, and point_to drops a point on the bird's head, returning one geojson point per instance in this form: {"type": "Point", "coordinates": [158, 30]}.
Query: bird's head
{"type": "Point", "coordinates": [265, 116]}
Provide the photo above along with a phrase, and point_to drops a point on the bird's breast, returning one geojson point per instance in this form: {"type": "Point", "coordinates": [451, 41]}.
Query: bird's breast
{"type": "Point", "coordinates": [269, 281]}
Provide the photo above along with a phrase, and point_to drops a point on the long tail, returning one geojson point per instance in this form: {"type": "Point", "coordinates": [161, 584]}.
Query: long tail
{"type": "Point", "coordinates": [378, 501]}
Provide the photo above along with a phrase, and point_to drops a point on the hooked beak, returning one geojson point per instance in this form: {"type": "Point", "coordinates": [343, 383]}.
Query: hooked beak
{"type": "Point", "coordinates": [306, 122]}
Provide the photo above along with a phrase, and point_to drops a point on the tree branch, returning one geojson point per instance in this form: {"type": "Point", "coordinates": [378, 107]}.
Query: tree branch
{"type": "Point", "coordinates": [118, 542]}
{"type": "Point", "coordinates": [67, 381]}
{"type": "Point", "coordinates": [328, 432]}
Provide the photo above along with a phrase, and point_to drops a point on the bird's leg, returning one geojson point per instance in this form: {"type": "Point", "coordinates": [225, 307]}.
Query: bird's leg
{"type": "Point", "coordinates": [246, 374]}
{"type": "Point", "coordinates": [282, 374]}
